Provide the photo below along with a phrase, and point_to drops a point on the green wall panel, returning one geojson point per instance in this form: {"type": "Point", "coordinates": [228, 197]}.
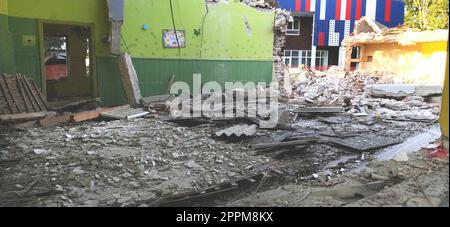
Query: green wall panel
{"type": "Point", "coordinates": [7, 63]}
{"type": "Point", "coordinates": [109, 83]}
{"type": "Point", "coordinates": [154, 74]}
{"type": "Point", "coordinates": [26, 47]}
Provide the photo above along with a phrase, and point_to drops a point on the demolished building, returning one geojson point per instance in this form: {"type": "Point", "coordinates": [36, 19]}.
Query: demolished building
{"type": "Point", "coordinates": [317, 27]}
{"type": "Point", "coordinates": [414, 56]}
{"type": "Point", "coordinates": [335, 128]}
{"type": "Point", "coordinates": [224, 41]}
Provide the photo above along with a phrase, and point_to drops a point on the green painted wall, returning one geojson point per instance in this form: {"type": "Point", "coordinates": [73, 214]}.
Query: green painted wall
{"type": "Point", "coordinates": [224, 30]}
{"type": "Point", "coordinates": [4, 7]}
{"type": "Point", "coordinates": [25, 36]}
{"type": "Point", "coordinates": [74, 11]}
{"type": "Point", "coordinates": [7, 63]}
{"type": "Point", "coordinates": [154, 74]}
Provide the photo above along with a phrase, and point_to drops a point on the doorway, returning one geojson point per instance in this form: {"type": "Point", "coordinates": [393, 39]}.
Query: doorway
{"type": "Point", "coordinates": [67, 62]}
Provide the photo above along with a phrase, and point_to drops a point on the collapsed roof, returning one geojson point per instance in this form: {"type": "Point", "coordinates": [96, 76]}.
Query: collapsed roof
{"type": "Point", "coordinates": [370, 31]}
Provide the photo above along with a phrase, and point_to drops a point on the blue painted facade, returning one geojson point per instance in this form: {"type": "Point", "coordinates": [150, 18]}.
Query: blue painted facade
{"type": "Point", "coordinates": [335, 19]}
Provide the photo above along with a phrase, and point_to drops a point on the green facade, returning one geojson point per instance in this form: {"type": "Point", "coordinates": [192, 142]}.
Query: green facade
{"type": "Point", "coordinates": [225, 42]}
{"type": "Point", "coordinates": [155, 74]}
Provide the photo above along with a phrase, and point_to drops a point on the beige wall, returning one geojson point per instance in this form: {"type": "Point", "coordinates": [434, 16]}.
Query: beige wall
{"type": "Point", "coordinates": [419, 63]}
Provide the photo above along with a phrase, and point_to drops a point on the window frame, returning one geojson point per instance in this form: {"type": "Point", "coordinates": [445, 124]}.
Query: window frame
{"type": "Point", "coordinates": [302, 57]}
{"type": "Point", "coordinates": [321, 58]}
{"type": "Point", "coordinates": [290, 27]}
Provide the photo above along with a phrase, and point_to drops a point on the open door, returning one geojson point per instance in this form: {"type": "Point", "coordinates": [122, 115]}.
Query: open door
{"type": "Point", "coordinates": [67, 62]}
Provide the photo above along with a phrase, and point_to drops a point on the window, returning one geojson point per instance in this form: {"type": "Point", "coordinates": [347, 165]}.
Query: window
{"type": "Point", "coordinates": [293, 27]}
{"type": "Point", "coordinates": [294, 58]}
{"type": "Point", "coordinates": [321, 58]}
{"type": "Point", "coordinates": [306, 58]}
{"type": "Point", "coordinates": [356, 52]}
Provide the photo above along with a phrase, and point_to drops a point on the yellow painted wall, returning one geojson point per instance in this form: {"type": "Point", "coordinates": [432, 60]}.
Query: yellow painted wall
{"type": "Point", "coordinates": [3, 7]}
{"type": "Point", "coordinates": [419, 63]}
{"type": "Point", "coordinates": [73, 11]}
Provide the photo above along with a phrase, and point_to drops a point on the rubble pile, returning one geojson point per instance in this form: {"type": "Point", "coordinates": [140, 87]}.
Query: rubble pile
{"type": "Point", "coordinates": [332, 87]}
{"type": "Point", "coordinates": [350, 90]}
{"type": "Point", "coordinates": [265, 4]}
{"type": "Point", "coordinates": [118, 164]}
{"type": "Point", "coordinates": [259, 3]}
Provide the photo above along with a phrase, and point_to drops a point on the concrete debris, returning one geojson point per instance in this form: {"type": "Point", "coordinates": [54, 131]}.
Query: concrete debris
{"type": "Point", "coordinates": [331, 87]}
{"type": "Point", "coordinates": [402, 90]}
{"type": "Point", "coordinates": [321, 109]}
{"type": "Point", "coordinates": [357, 144]}
{"type": "Point", "coordinates": [147, 155]}
{"type": "Point", "coordinates": [366, 95]}
{"type": "Point", "coordinates": [280, 69]}
{"type": "Point", "coordinates": [263, 4]}
{"type": "Point", "coordinates": [41, 151]}
{"type": "Point", "coordinates": [401, 157]}
{"type": "Point", "coordinates": [238, 130]}
{"type": "Point", "coordinates": [401, 35]}
{"type": "Point", "coordinates": [126, 114]}
{"type": "Point", "coordinates": [158, 103]}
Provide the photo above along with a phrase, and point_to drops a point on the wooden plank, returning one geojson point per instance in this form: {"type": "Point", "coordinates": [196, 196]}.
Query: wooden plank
{"type": "Point", "coordinates": [129, 80]}
{"type": "Point", "coordinates": [22, 116]}
{"type": "Point", "coordinates": [75, 104]}
{"type": "Point", "coordinates": [54, 120]}
{"type": "Point", "coordinates": [5, 94]}
{"type": "Point", "coordinates": [87, 115]}
{"type": "Point", "coordinates": [94, 114]}
{"type": "Point", "coordinates": [11, 94]}
{"type": "Point", "coordinates": [40, 95]}
{"type": "Point", "coordinates": [33, 94]}
{"type": "Point", "coordinates": [22, 95]}
{"type": "Point", "coordinates": [27, 91]}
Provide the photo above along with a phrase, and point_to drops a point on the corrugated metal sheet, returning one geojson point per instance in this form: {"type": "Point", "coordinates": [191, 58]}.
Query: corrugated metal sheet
{"type": "Point", "coordinates": [336, 18]}
{"type": "Point", "coordinates": [238, 130]}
